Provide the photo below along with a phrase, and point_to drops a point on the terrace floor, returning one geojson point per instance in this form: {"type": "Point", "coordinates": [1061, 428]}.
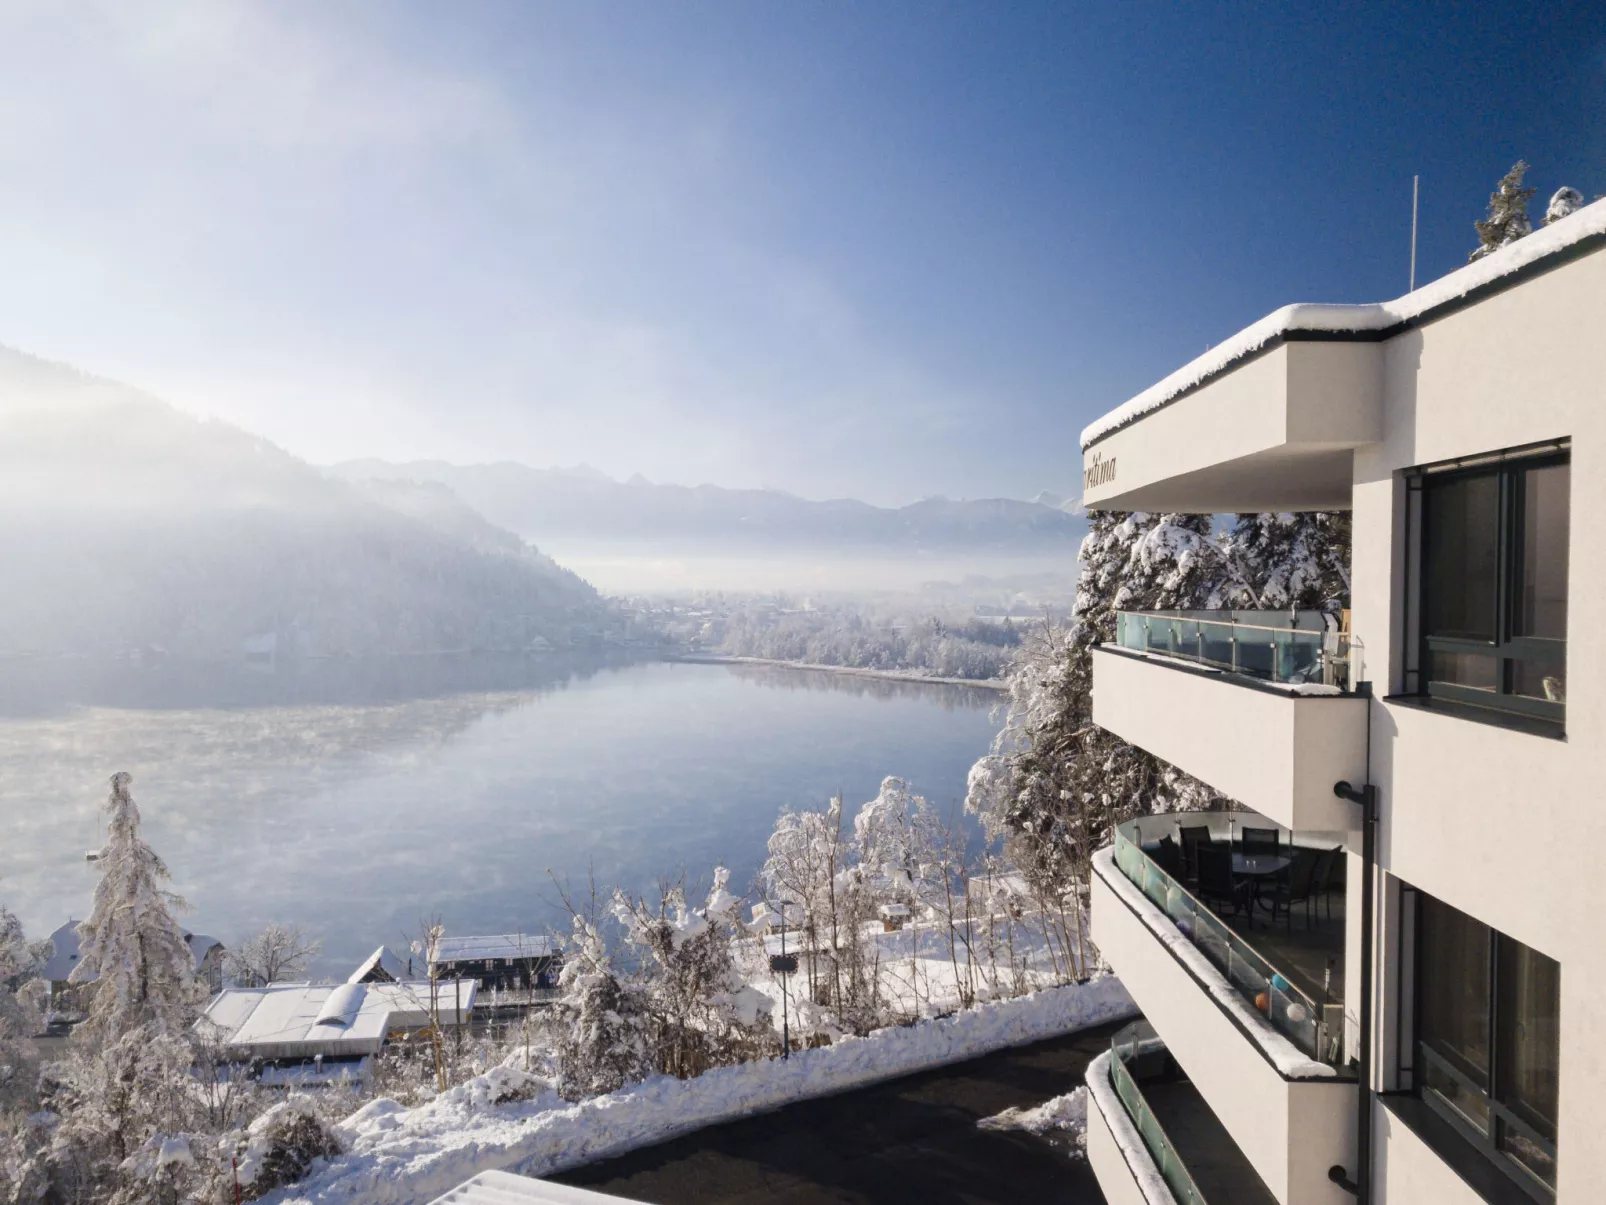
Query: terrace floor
{"type": "Point", "coordinates": [1212, 1158]}
{"type": "Point", "coordinates": [1309, 953]}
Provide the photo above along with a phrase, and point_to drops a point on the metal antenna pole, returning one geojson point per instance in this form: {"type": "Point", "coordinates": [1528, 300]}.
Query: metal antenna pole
{"type": "Point", "coordinates": [1416, 182]}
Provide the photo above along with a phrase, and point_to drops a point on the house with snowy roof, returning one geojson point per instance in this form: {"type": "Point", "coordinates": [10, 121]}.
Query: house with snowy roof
{"type": "Point", "coordinates": [501, 962]}
{"type": "Point", "coordinates": [209, 954]}
{"type": "Point", "coordinates": [1381, 976]}
{"type": "Point", "coordinates": [384, 965]}
{"type": "Point", "coordinates": [334, 1027]}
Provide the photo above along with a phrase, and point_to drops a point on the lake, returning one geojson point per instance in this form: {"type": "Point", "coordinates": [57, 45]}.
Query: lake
{"type": "Point", "coordinates": [356, 802]}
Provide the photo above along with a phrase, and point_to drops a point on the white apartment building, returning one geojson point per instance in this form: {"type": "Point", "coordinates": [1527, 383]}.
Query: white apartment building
{"type": "Point", "coordinates": [1420, 1017]}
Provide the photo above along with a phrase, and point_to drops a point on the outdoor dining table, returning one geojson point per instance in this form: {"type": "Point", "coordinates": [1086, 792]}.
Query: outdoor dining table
{"type": "Point", "coordinates": [1259, 868]}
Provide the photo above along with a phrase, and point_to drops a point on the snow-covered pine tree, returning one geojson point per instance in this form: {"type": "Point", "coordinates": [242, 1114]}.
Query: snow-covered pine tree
{"type": "Point", "coordinates": [1566, 201]}
{"type": "Point", "coordinates": [602, 1040]}
{"type": "Point", "coordinates": [1507, 219]}
{"type": "Point", "coordinates": [1277, 561]}
{"type": "Point", "coordinates": [131, 947]}
{"type": "Point", "coordinates": [23, 996]}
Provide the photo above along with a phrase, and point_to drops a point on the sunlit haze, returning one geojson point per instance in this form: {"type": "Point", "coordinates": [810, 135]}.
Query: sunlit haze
{"type": "Point", "coordinates": [880, 251]}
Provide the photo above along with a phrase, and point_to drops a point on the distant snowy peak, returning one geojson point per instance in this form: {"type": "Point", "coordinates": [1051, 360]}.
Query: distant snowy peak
{"type": "Point", "coordinates": [1562, 234]}
{"type": "Point", "coordinates": [547, 504]}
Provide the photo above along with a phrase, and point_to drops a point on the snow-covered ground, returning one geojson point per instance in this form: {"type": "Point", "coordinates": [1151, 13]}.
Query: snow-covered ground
{"type": "Point", "coordinates": [398, 1156]}
{"type": "Point", "coordinates": [1065, 1115]}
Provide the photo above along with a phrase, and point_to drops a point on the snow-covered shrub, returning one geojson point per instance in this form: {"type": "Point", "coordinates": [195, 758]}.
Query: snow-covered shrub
{"type": "Point", "coordinates": [281, 1145]}
{"type": "Point", "coordinates": [699, 1011]}
{"type": "Point", "coordinates": [602, 1041]}
{"type": "Point", "coordinates": [23, 998]}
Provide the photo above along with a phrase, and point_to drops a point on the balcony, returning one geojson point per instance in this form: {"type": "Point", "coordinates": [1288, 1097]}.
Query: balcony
{"type": "Point", "coordinates": [1251, 1008]}
{"type": "Point", "coordinates": [1267, 707]}
{"type": "Point", "coordinates": [1149, 1129]}
{"type": "Point", "coordinates": [1268, 421]}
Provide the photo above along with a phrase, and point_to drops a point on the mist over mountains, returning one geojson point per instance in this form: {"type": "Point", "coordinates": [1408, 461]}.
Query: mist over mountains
{"type": "Point", "coordinates": [584, 504]}
{"type": "Point", "coordinates": [126, 524]}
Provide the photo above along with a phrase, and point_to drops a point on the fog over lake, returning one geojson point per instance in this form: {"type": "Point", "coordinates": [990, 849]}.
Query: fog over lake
{"type": "Point", "coordinates": [356, 804]}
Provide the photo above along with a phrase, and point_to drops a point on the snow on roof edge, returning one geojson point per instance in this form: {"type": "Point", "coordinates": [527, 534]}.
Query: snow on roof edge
{"type": "Point", "coordinates": [1375, 316]}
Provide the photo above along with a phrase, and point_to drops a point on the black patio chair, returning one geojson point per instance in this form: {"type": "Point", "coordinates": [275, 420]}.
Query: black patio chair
{"type": "Point", "coordinates": [1260, 841]}
{"type": "Point", "coordinates": [1297, 885]}
{"type": "Point", "coordinates": [1193, 837]}
{"type": "Point", "coordinates": [1218, 885]}
{"type": "Point", "coordinates": [1328, 867]}
{"type": "Point", "coordinates": [1169, 858]}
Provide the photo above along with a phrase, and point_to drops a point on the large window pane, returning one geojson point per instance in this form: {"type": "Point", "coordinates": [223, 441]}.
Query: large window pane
{"type": "Point", "coordinates": [1542, 591]}
{"type": "Point", "coordinates": [1461, 557]}
{"type": "Point", "coordinates": [1528, 1038]}
{"type": "Point", "coordinates": [1455, 988]}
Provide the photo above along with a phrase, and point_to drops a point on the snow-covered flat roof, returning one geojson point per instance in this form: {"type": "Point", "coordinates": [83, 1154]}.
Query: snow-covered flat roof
{"type": "Point", "coordinates": [1376, 318]}
{"type": "Point", "coordinates": [302, 1020]}
{"type": "Point", "coordinates": [504, 1188]}
{"type": "Point", "coordinates": [498, 945]}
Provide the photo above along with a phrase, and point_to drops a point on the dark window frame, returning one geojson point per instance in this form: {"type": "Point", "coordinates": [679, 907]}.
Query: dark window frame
{"type": "Point", "coordinates": [1506, 648]}
{"type": "Point", "coordinates": [1423, 1057]}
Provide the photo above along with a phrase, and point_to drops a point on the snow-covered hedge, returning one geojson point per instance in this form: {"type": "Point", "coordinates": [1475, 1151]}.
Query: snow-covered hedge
{"type": "Point", "coordinates": [398, 1156]}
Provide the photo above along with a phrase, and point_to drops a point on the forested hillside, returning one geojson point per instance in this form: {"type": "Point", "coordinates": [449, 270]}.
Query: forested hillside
{"type": "Point", "coordinates": [126, 524]}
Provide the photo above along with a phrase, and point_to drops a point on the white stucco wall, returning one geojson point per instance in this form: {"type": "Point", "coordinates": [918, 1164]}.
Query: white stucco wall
{"type": "Point", "coordinates": [1407, 1172]}
{"type": "Point", "coordinates": [1276, 753]}
{"type": "Point", "coordinates": [1506, 826]}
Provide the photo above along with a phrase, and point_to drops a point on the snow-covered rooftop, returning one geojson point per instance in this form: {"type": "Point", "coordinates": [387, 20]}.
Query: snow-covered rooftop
{"type": "Point", "coordinates": [301, 1020]}
{"type": "Point", "coordinates": [504, 1188]}
{"type": "Point", "coordinates": [383, 964]}
{"type": "Point", "coordinates": [499, 945]}
{"type": "Point", "coordinates": [1587, 223]}
{"type": "Point", "coordinates": [65, 939]}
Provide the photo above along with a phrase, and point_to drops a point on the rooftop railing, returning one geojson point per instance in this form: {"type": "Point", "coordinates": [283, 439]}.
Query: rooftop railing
{"type": "Point", "coordinates": [1316, 1028]}
{"type": "Point", "coordinates": [1303, 650]}
{"type": "Point", "coordinates": [1133, 1048]}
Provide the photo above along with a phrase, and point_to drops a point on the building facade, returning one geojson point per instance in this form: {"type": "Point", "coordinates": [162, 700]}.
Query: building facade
{"type": "Point", "coordinates": [1381, 977]}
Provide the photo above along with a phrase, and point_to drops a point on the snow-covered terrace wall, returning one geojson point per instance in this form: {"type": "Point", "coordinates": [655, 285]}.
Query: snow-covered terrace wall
{"type": "Point", "coordinates": [1577, 233]}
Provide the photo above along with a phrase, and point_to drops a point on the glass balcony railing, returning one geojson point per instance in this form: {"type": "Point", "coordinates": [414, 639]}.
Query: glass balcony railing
{"type": "Point", "coordinates": [1299, 649]}
{"type": "Point", "coordinates": [1315, 1027]}
{"type": "Point", "coordinates": [1132, 1048]}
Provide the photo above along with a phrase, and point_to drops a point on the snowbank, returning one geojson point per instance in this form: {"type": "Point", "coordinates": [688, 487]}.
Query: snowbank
{"type": "Point", "coordinates": [402, 1156]}
{"type": "Point", "coordinates": [1378, 316]}
{"type": "Point", "coordinates": [1066, 1114]}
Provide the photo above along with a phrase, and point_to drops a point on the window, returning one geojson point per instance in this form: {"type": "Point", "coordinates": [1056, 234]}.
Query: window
{"type": "Point", "coordinates": [1488, 1040]}
{"type": "Point", "coordinates": [1492, 576]}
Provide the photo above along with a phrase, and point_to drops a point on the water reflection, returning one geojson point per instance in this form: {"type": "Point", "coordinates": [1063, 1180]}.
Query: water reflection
{"type": "Point", "coordinates": [356, 818]}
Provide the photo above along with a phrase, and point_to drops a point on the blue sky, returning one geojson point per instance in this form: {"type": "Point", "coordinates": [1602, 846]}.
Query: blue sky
{"type": "Point", "coordinates": [885, 250]}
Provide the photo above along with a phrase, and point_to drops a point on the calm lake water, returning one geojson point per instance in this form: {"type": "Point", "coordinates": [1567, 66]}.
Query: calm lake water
{"type": "Point", "coordinates": [355, 804]}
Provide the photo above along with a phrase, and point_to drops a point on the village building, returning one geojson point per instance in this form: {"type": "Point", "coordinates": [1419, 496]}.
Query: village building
{"type": "Point", "coordinates": [329, 1029]}
{"type": "Point", "coordinates": [502, 962]}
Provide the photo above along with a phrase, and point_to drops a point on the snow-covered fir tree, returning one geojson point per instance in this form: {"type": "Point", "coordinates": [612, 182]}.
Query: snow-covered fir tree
{"type": "Point", "coordinates": [1507, 219]}
{"type": "Point", "coordinates": [601, 1019]}
{"type": "Point", "coordinates": [1279, 561]}
{"type": "Point", "coordinates": [1055, 783]}
{"type": "Point", "coordinates": [131, 947]}
{"type": "Point", "coordinates": [1564, 202]}
{"type": "Point", "coordinates": [23, 996]}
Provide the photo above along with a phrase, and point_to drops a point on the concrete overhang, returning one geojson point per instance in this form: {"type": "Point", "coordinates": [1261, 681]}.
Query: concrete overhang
{"type": "Point", "coordinates": [1273, 432]}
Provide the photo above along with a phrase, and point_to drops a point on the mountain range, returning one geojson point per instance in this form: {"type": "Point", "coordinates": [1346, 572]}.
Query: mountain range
{"type": "Point", "coordinates": [547, 504]}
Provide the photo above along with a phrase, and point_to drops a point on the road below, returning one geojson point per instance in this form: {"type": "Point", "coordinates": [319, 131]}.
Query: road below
{"type": "Point", "coordinates": [908, 1140]}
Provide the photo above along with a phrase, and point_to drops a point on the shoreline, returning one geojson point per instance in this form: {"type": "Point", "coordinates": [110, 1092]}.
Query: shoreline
{"type": "Point", "coordinates": [888, 675]}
